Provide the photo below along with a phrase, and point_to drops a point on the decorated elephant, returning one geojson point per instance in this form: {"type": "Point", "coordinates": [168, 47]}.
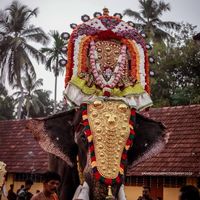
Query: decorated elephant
{"type": "Point", "coordinates": [63, 137]}
{"type": "Point", "coordinates": [107, 79]}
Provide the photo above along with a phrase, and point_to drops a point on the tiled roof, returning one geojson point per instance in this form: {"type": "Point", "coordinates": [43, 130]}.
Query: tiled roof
{"type": "Point", "coordinates": [181, 156]}
{"type": "Point", "coordinates": [19, 150]}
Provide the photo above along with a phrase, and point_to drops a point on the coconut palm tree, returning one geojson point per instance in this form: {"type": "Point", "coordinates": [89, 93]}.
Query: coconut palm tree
{"type": "Point", "coordinates": [31, 89]}
{"type": "Point", "coordinates": [48, 104]}
{"type": "Point", "coordinates": [54, 54]}
{"type": "Point", "coordinates": [15, 50]}
{"type": "Point", "coordinates": [148, 19]}
{"type": "Point", "coordinates": [6, 104]}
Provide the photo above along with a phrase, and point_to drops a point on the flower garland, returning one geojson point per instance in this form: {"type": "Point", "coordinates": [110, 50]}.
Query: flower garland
{"type": "Point", "coordinates": [147, 86]}
{"type": "Point", "coordinates": [134, 57]}
{"type": "Point", "coordinates": [77, 45]}
{"type": "Point", "coordinates": [69, 67]}
{"type": "Point", "coordinates": [81, 56]}
{"type": "Point", "coordinates": [118, 71]}
{"type": "Point", "coordinates": [139, 65]}
{"type": "Point", "coordinates": [84, 50]}
{"type": "Point", "coordinates": [105, 28]}
{"type": "Point", "coordinates": [88, 133]}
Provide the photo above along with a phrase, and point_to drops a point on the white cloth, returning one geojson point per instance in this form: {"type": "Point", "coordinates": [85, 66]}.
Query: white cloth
{"type": "Point", "coordinates": [82, 192]}
{"type": "Point", "coordinates": [139, 102]}
{"type": "Point", "coordinates": [121, 194]}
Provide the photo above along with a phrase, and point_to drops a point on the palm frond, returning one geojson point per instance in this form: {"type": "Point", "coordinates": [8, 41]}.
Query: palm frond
{"type": "Point", "coordinates": [47, 50]}
{"type": "Point", "coordinates": [38, 83]}
{"type": "Point", "coordinates": [33, 12]}
{"type": "Point", "coordinates": [162, 7]}
{"type": "Point", "coordinates": [50, 63]}
{"type": "Point", "coordinates": [160, 34]}
{"type": "Point", "coordinates": [134, 14]}
{"type": "Point", "coordinates": [35, 34]}
{"type": "Point", "coordinates": [34, 53]}
{"type": "Point", "coordinates": [169, 25]}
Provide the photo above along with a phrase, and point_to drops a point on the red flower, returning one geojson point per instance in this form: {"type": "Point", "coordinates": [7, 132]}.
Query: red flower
{"type": "Point", "coordinates": [87, 132]}
{"type": "Point", "coordinates": [129, 142]}
{"type": "Point", "coordinates": [118, 179]}
{"type": "Point", "coordinates": [93, 158]}
{"type": "Point", "coordinates": [121, 165]}
{"type": "Point", "coordinates": [97, 175]}
{"type": "Point", "coordinates": [84, 112]}
{"type": "Point", "coordinates": [91, 148]}
{"type": "Point", "coordinates": [106, 93]}
{"type": "Point", "coordinates": [131, 123]}
{"type": "Point", "coordinates": [133, 112]}
{"type": "Point", "coordinates": [132, 132]}
{"type": "Point", "coordinates": [108, 181]}
{"type": "Point", "coordinates": [124, 156]}
{"type": "Point", "coordinates": [86, 123]}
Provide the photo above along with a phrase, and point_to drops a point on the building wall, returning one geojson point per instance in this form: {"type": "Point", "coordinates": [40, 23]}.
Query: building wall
{"type": "Point", "coordinates": [170, 193]}
{"type": "Point", "coordinates": [133, 192]}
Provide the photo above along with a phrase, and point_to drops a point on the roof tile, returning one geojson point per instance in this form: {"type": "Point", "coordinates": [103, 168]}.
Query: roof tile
{"type": "Point", "coordinates": [19, 150]}
{"type": "Point", "coordinates": [182, 152]}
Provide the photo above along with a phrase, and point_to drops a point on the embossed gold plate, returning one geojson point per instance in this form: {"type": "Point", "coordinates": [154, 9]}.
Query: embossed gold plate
{"type": "Point", "coordinates": [109, 124]}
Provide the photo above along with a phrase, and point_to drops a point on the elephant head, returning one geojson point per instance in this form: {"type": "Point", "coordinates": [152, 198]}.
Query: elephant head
{"type": "Point", "coordinates": [63, 136]}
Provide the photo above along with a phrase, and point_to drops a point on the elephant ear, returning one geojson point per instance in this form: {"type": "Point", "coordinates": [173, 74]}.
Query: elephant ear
{"type": "Point", "coordinates": [55, 135]}
{"type": "Point", "coordinates": [149, 140]}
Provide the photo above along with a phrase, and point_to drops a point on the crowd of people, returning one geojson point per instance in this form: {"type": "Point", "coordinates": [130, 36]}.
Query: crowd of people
{"type": "Point", "coordinates": [187, 192]}
{"type": "Point", "coordinates": [51, 182]}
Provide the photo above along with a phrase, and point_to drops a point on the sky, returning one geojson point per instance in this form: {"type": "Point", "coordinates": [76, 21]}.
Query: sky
{"type": "Point", "coordinates": [59, 14]}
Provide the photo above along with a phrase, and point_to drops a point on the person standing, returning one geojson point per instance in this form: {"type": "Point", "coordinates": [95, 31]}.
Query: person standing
{"type": "Point", "coordinates": [22, 186]}
{"type": "Point", "coordinates": [11, 194]}
{"type": "Point", "coordinates": [145, 194]}
{"type": "Point", "coordinates": [24, 193]}
{"type": "Point", "coordinates": [51, 181]}
{"type": "Point", "coordinates": [189, 192]}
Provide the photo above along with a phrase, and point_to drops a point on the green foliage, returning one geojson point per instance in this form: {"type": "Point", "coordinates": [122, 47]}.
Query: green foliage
{"type": "Point", "coordinates": [15, 51]}
{"type": "Point", "coordinates": [6, 104]}
{"type": "Point", "coordinates": [53, 55]}
{"type": "Point", "coordinates": [46, 107]}
{"type": "Point", "coordinates": [31, 87]}
{"type": "Point", "coordinates": [176, 79]}
{"type": "Point", "coordinates": [148, 19]}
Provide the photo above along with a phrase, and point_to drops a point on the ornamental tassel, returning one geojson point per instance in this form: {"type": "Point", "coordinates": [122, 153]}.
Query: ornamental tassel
{"type": "Point", "coordinates": [110, 195]}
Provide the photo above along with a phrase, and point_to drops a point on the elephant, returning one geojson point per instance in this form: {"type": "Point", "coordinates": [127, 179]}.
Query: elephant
{"type": "Point", "coordinates": [62, 136]}
{"type": "Point", "coordinates": [107, 79]}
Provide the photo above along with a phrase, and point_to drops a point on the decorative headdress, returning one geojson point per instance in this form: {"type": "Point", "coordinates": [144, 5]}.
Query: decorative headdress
{"type": "Point", "coordinates": [107, 57]}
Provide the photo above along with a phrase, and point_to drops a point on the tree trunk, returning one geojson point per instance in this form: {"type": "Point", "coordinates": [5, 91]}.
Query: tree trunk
{"type": "Point", "coordinates": [19, 109]}
{"type": "Point", "coordinates": [55, 89]}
